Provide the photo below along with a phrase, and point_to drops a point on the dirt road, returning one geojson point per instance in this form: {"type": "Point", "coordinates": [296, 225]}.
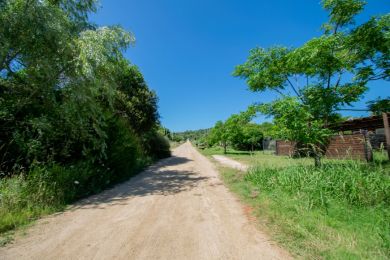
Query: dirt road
{"type": "Point", "coordinates": [230, 163]}
{"type": "Point", "coordinates": [177, 209]}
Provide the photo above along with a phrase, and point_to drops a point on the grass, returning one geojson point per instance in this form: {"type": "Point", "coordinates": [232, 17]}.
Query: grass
{"type": "Point", "coordinates": [338, 211]}
{"type": "Point", "coordinates": [18, 209]}
{"type": "Point", "coordinates": [260, 158]}
{"type": "Point", "coordinates": [269, 159]}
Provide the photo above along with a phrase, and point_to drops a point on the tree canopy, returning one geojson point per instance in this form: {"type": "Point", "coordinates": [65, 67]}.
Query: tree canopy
{"type": "Point", "coordinates": [318, 73]}
{"type": "Point", "coordinates": [65, 86]}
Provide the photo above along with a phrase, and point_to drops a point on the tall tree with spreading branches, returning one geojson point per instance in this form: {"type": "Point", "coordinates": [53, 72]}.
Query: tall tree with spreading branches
{"type": "Point", "coordinates": [318, 74]}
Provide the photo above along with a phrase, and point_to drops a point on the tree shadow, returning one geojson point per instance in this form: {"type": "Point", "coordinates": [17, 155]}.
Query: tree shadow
{"type": "Point", "coordinates": [238, 153]}
{"type": "Point", "coordinates": [158, 179]}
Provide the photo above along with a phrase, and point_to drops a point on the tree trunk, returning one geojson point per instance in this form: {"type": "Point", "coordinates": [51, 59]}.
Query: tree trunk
{"type": "Point", "coordinates": [317, 160]}
{"type": "Point", "coordinates": [224, 148]}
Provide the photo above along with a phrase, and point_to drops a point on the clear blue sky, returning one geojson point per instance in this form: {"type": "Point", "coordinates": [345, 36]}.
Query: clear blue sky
{"type": "Point", "coordinates": [187, 49]}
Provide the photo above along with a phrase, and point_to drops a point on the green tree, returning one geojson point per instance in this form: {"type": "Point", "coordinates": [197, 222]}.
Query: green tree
{"type": "Point", "coordinates": [235, 131]}
{"type": "Point", "coordinates": [38, 54]}
{"type": "Point", "coordinates": [370, 43]}
{"type": "Point", "coordinates": [294, 122]}
{"type": "Point", "coordinates": [268, 129]}
{"type": "Point", "coordinates": [379, 106]}
{"type": "Point", "coordinates": [219, 135]}
{"type": "Point", "coordinates": [253, 136]}
{"type": "Point", "coordinates": [318, 73]}
{"type": "Point", "coordinates": [63, 83]}
{"type": "Point", "coordinates": [135, 101]}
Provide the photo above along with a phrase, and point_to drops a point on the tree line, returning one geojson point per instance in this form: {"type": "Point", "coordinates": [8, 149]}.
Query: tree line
{"type": "Point", "coordinates": [237, 132]}
{"type": "Point", "coordinates": [75, 114]}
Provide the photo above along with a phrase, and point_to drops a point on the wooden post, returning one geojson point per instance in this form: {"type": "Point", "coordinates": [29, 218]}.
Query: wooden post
{"type": "Point", "coordinates": [387, 133]}
{"type": "Point", "coordinates": [367, 147]}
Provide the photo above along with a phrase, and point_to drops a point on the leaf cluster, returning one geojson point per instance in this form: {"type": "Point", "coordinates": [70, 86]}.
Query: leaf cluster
{"type": "Point", "coordinates": [318, 79]}
{"type": "Point", "coordinates": [64, 85]}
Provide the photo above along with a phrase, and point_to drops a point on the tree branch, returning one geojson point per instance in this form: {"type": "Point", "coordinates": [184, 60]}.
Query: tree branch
{"type": "Point", "coordinates": [378, 77]}
{"type": "Point", "coordinates": [280, 92]}
{"type": "Point", "coordinates": [352, 109]}
{"type": "Point", "coordinates": [338, 81]}
{"type": "Point", "coordinates": [294, 89]}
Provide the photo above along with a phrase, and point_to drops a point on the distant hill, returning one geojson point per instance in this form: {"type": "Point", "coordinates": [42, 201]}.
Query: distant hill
{"type": "Point", "coordinates": [192, 135]}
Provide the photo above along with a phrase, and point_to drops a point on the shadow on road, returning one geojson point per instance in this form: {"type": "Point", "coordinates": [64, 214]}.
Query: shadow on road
{"type": "Point", "coordinates": [159, 179]}
{"type": "Point", "coordinates": [239, 153]}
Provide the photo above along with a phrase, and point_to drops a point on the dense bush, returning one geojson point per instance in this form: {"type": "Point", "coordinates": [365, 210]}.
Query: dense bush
{"type": "Point", "coordinates": [124, 152]}
{"type": "Point", "coordinates": [157, 145]}
{"type": "Point", "coordinates": [75, 115]}
{"type": "Point", "coordinates": [45, 189]}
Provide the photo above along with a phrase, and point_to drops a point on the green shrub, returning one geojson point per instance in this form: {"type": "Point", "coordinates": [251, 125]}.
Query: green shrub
{"type": "Point", "coordinates": [57, 185]}
{"type": "Point", "coordinates": [18, 205]}
{"type": "Point", "coordinates": [157, 145]}
{"type": "Point", "coordinates": [71, 123]}
{"type": "Point", "coordinates": [48, 188]}
{"type": "Point", "coordinates": [124, 155]}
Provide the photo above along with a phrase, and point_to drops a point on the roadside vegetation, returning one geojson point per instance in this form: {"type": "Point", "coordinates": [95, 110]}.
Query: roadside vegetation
{"type": "Point", "coordinates": [320, 213]}
{"type": "Point", "coordinates": [318, 208]}
{"type": "Point", "coordinates": [317, 80]}
{"type": "Point", "coordinates": [197, 137]}
{"type": "Point", "coordinates": [337, 211]}
{"type": "Point", "coordinates": [75, 116]}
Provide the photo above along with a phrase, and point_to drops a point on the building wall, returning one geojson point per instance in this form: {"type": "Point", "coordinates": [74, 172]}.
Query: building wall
{"type": "Point", "coordinates": [347, 146]}
{"type": "Point", "coordinates": [340, 147]}
{"type": "Point", "coordinates": [285, 148]}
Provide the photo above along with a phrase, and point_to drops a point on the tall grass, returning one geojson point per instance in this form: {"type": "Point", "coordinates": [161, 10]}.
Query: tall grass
{"type": "Point", "coordinates": [354, 183]}
{"type": "Point", "coordinates": [338, 211]}
{"type": "Point", "coordinates": [49, 188]}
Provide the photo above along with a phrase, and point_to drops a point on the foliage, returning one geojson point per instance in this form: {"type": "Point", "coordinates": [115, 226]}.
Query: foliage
{"type": "Point", "coordinates": [336, 211]}
{"type": "Point", "coordinates": [339, 211]}
{"type": "Point", "coordinates": [379, 106]}
{"type": "Point", "coordinates": [319, 72]}
{"type": "Point", "coordinates": [135, 101]}
{"type": "Point", "coordinates": [193, 135]}
{"type": "Point", "coordinates": [296, 123]}
{"type": "Point", "coordinates": [219, 135]}
{"type": "Point", "coordinates": [238, 132]}
{"type": "Point", "coordinates": [124, 151]}
{"type": "Point", "coordinates": [252, 137]}
{"type": "Point", "coordinates": [75, 115]}
{"type": "Point", "coordinates": [156, 145]}
{"type": "Point", "coordinates": [268, 129]}
{"type": "Point", "coordinates": [332, 182]}
{"type": "Point", "coordinates": [370, 43]}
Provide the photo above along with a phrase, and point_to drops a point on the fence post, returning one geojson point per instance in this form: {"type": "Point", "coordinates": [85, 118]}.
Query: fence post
{"type": "Point", "coordinates": [277, 147]}
{"type": "Point", "coordinates": [367, 147]}
{"type": "Point", "coordinates": [387, 133]}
